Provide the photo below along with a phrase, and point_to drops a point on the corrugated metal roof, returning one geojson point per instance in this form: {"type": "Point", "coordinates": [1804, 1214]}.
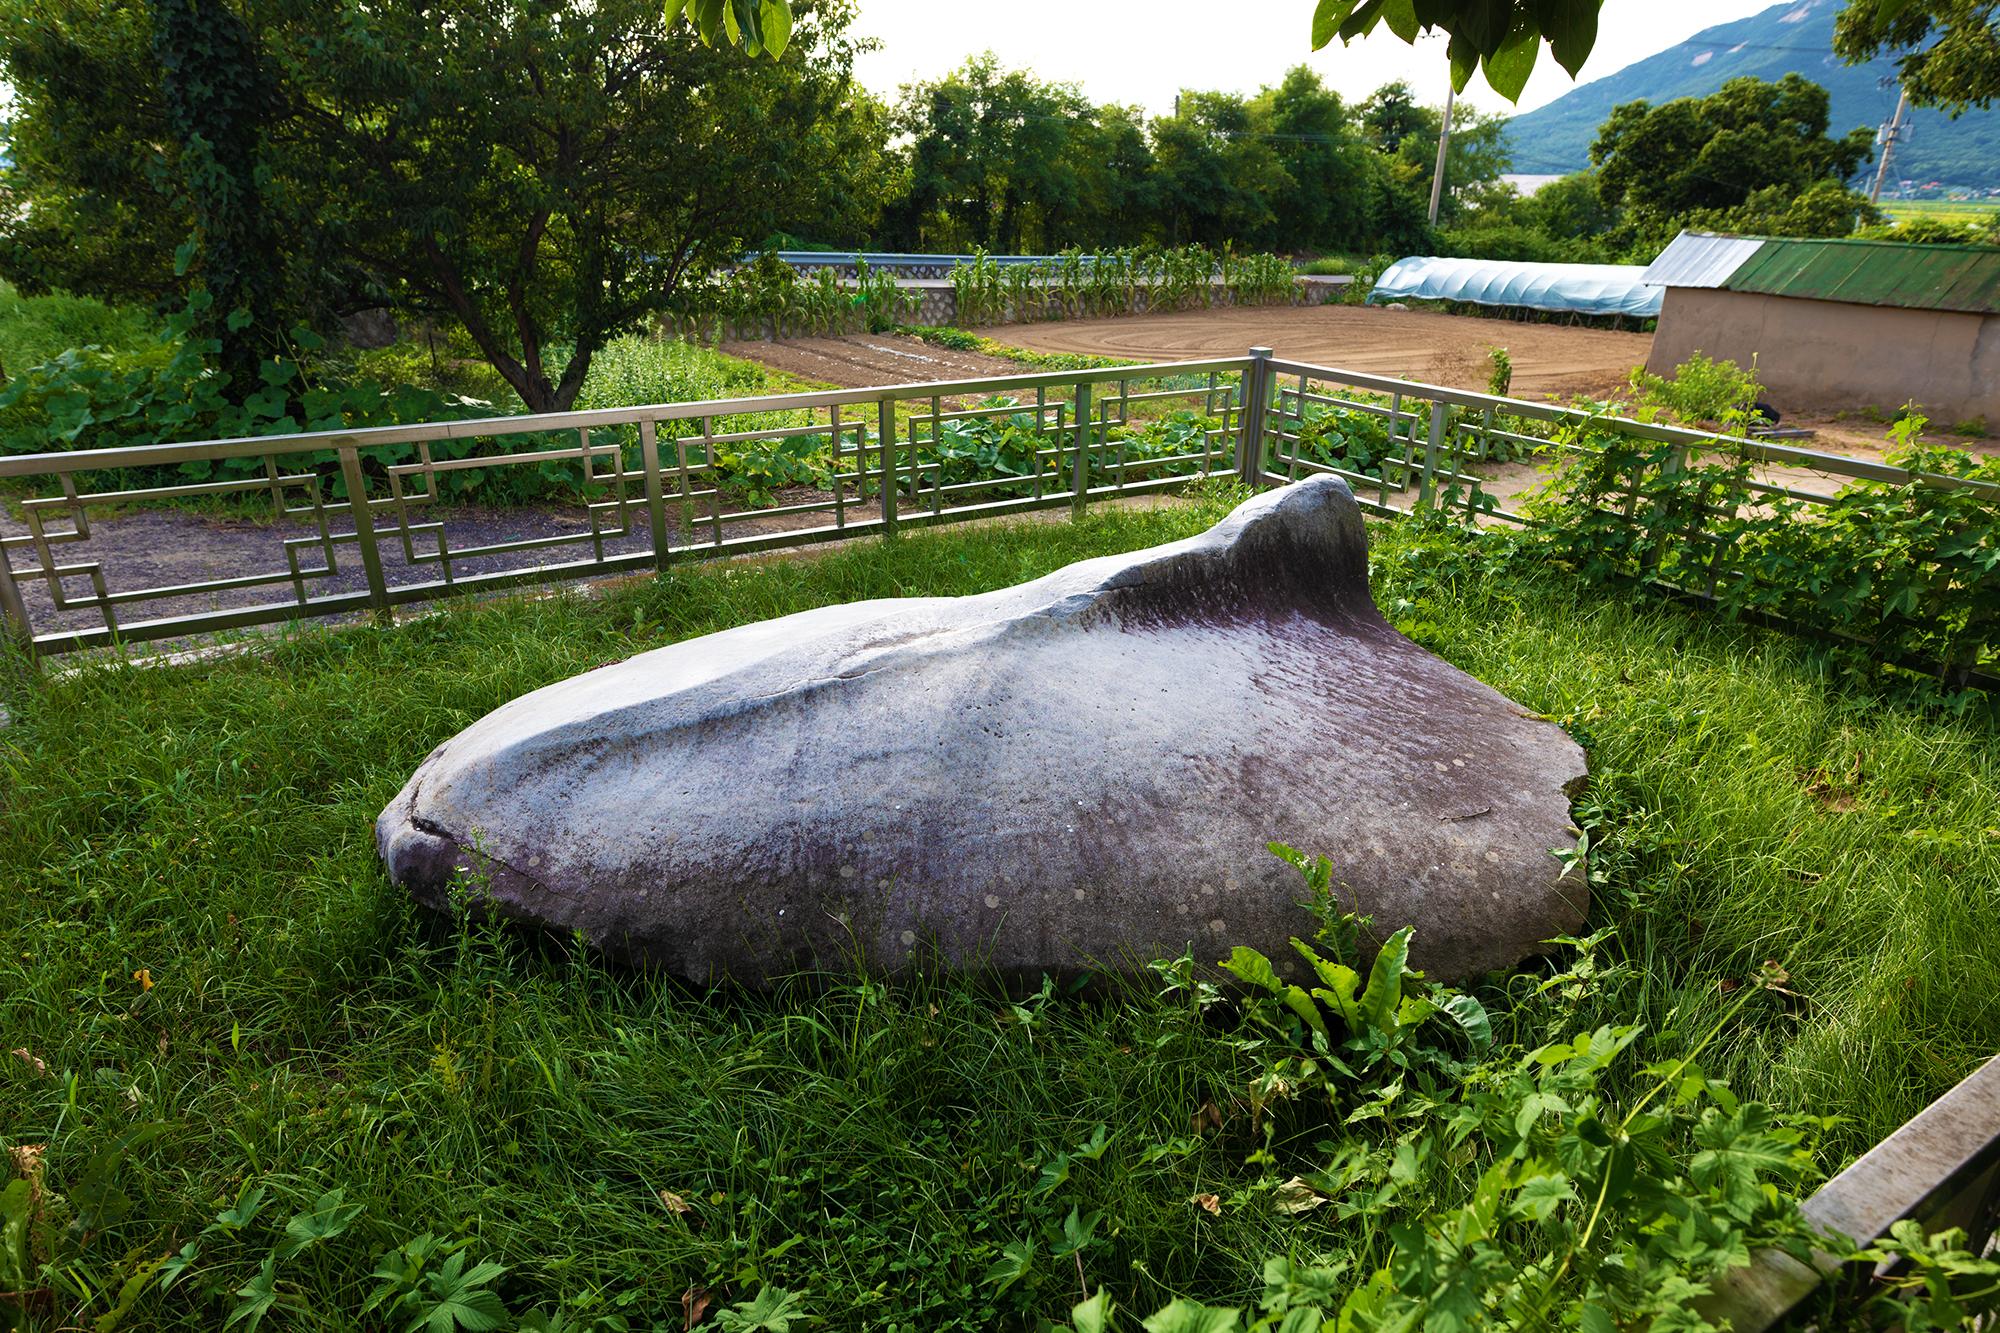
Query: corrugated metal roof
{"type": "Point", "coordinates": [1890, 273]}
{"type": "Point", "coordinates": [1699, 259]}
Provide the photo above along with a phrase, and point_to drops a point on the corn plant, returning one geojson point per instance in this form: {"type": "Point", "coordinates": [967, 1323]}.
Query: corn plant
{"type": "Point", "coordinates": [1025, 291]}
{"type": "Point", "coordinates": [879, 299]}
{"type": "Point", "coordinates": [980, 293]}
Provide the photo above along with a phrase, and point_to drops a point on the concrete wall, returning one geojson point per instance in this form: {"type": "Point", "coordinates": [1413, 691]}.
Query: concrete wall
{"type": "Point", "coordinates": [1826, 354]}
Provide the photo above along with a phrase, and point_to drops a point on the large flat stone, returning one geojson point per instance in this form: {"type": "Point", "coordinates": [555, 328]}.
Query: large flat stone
{"type": "Point", "coordinates": [1082, 771]}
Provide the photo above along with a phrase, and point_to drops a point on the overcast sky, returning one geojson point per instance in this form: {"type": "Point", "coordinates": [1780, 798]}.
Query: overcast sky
{"type": "Point", "coordinates": [1144, 52]}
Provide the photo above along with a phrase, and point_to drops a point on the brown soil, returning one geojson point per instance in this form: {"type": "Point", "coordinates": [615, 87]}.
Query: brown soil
{"type": "Point", "coordinates": [864, 360]}
{"type": "Point", "coordinates": [1549, 359]}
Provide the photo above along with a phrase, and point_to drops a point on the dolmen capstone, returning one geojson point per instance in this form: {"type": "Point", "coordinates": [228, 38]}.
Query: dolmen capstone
{"type": "Point", "coordinates": [1077, 773]}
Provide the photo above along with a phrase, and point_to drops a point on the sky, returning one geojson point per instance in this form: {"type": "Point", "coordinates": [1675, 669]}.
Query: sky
{"type": "Point", "coordinates": [1143, 53]}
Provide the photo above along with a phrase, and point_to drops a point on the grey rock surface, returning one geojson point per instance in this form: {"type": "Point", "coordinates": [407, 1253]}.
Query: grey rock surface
{"type": "Point", "coordinates": [1078, 772]}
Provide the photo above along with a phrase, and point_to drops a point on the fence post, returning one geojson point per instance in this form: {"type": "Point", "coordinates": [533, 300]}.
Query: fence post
{"type": "Point", "coordinates": [1256, 387]}
{"type": "Point", "coordinates": [364, 533]}
{"type": "Point", "coordinates": [18, 663]}
{"type": "Point", "coordinates": [885, 445]}
{"type": "Point", "coordinates": [656, 500]}
{"type": "Point", "coordinates": [1433, 446]}
{"type": "Point", "coordinates": [1080, 463]}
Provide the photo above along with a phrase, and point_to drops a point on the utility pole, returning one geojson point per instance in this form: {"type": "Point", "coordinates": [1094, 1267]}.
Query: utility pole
{"type": "Point", "coordinates": [1444, 143]}
{"type": "Point", "coordinates": [1889, 137]}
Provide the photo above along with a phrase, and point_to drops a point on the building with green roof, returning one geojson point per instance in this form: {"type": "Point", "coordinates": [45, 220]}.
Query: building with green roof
{"type": "Point", "coordinates": [1838, 323]}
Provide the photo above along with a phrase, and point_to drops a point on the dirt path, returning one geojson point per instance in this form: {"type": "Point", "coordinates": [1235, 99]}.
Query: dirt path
{"type": "Point", "coordinates": [1549, 359]}
{"type": "Point", "coordinates": [164, 548]}
{"type": "Point", "coordinates": [864, 360]}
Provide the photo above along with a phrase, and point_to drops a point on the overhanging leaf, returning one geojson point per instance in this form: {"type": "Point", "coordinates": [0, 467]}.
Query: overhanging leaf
{"type": "Point", "coordinates": [1508, 68]}
{"type": "Point", "coordinates": [1571, 29]}
{"type": "Point", "coordinates": [1328, 15]}
{"type": "Point", "coordinates": [775, 17]}
{"type": "Point", "coordinates": [1401, 16]}
{"type": "Point", "coordinates": [1464, 57]}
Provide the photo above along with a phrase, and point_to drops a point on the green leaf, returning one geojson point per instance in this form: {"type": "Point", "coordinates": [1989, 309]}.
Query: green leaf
{"type": "Point", "coordinates": [1472, 1019]}
{"type": "Point", "coordinates": [255, 1298]}
{"type": "Point", "coordinates": [1540, 1195]}
{"type": "Point", "coordinates": [1328, 15]}
{"type": "Point", "coordinates": [1186, 1316]}
{"type": "Point", "coordinates": [16, 1256]}
{"type": "Point", "coordinates": [1094, 1315]}
{"type": "Point", "coordinates": [328, 1217]}
{"type": "Point", "coordinates": [774, 1310]}
{"type": "Point", "coordinates": [1401, 16]}
{"type": "Point", "coordinates": [172, 1271]}
{"type": "Point", "coordinates": [1508, 68]}
{"type": "Point", "coordinates": [1013, 1264]}
{"type": "Point", "coordinates": [1306, 1008]}
{"type": "Point", "coordinates": [1571, 27]}
{"type": "Point", "coordinates": [1464, 57]}
{"type": "Point", "coordinates": [1246, 964]}
{"type": "Point", "coordinates": [1363, 20]}
{"type": "Point", "coordinates": [776, 19]}
{"type": "Point", "coordinates": [1595, 1319]}
{"type": "Point", "coordinates": [1385, 982]}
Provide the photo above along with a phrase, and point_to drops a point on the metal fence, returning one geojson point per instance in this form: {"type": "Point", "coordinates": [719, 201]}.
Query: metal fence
{"type": "Point", "coordinates": [342, 522]}
{"type": "Point", "coordinates": [1941, 1169]}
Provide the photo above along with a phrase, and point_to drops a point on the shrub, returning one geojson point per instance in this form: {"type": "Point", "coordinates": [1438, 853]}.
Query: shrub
{"type": "Point", "coordinates": [1904, 570]}
{"type": "Point", "coordinates": [1513, 241]}
{"type": "Point", "coordinates": [1701, 391]}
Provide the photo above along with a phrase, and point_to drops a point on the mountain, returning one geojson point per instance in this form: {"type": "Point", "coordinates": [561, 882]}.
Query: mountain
{"type": "Point", "coordinates": [1784, 38]}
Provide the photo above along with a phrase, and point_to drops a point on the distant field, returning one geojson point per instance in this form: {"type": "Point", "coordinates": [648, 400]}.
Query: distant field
{"type": "Point", "coordinates": [1954, 211]}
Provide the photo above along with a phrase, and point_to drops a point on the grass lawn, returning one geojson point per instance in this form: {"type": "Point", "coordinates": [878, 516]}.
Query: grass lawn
{"type": "Point", "coordinates": [198, 936]}
{"type": "Point", "coordinates": [1957, 212]}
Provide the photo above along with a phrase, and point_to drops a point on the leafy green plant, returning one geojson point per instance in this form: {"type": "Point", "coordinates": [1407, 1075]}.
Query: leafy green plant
{"type": "Point", "coordinates": [1901, 570]}
{"type": "Point", "coordinates": [1701, 392]}
{"type": "Point", "coordinates": [428, 1282]}
{"type": "Point", "coordinates": [772, 1310]}
{"type": "Point", "coordinates": [1338, 1031]}
{"type": "Point", "coordinates": [1501, 379]}
{"type": "Point", "coordinates": [978, 290]}
{"type": "Point", "coordinates": [879, 300]}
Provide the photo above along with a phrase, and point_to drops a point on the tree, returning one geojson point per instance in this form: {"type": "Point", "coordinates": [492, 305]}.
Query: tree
{"type": "Point", "coordinates": [1408, 132]}
{"type": "Point", "coordinates": [1216, 172]}
{"type": "Point", "coordinates": [87, 202]}
{"type": "Point", "coordinates": [1569, 206]}
{"type": "Point", "coordinates": [1951, 48]}
{"type": "Point", "coordinates": [996, 157]}
{"type": "Point", "coordinates": [218, 103]}
{"type": "Point", "coordinates": [1712, 154]}
{"type": "Point", "coordinates": [1391, 115]}
{"type": "Point", "coordinates": [547, 185]}
{"type": "Point", "coordinates": [1823, 208]}
{"type": "Point", "coordinates": [1322, 203]}
{"type": "Point", "coordinates": [556, 181]}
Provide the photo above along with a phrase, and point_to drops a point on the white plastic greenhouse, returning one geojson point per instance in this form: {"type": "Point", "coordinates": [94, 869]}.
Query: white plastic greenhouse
{"type": "Point", "coordinates": [1583, 289]}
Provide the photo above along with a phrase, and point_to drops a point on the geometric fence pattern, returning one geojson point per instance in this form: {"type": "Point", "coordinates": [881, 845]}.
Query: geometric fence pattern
{"type": "Point", "coordinates": [357, 521]}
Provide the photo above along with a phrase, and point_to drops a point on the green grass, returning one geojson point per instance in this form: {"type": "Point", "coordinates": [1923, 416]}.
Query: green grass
{"type": "Point", "coordinates": [1955, 212]}
{"type": "Point", "coordinates": [34, 329]}
{"type": "Point", "coordinates": [628, 371]}
{"type": "Point", "coordinates": [878, 1142]}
